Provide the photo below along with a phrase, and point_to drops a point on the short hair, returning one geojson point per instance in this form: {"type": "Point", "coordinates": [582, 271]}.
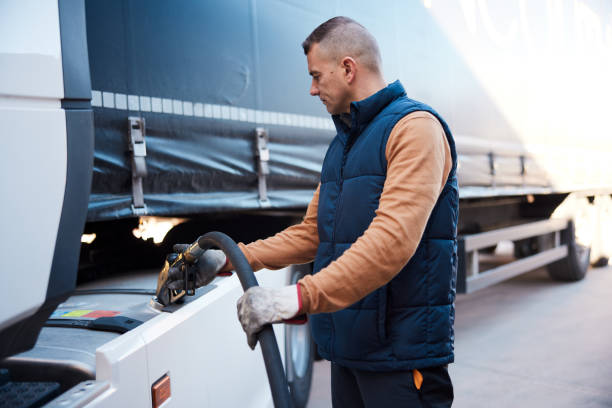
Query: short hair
{"type": "Point", "coordinates": [342, 36]}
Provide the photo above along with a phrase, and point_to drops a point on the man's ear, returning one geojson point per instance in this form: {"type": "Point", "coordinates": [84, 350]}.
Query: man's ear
{"type": "Point", "coordinates": [349, 69]}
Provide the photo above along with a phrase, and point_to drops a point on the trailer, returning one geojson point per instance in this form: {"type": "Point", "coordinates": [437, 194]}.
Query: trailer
{"type": "Point", "coordinates": [131, 125]}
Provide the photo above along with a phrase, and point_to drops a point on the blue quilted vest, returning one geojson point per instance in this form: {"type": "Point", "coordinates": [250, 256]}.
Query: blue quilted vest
{"type": "Point", "coordinates": [407, 323]}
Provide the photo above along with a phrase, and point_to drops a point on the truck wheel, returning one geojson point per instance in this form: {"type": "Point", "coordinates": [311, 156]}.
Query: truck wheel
{"type": "Point", "coordinates": [575, 266]}
{"type": "Point", "coordinates": [601, 262]}
{"type": "Point", "coordinates": [299, 354]}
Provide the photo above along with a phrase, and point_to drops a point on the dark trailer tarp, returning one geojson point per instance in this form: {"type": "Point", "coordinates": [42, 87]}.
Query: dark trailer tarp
{"type": "Point", "coordinates": [204, 75]}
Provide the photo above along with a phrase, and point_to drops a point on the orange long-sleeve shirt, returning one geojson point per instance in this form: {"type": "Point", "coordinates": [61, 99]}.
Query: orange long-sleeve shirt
{"type": "Point", "coordinates": [418, 164]}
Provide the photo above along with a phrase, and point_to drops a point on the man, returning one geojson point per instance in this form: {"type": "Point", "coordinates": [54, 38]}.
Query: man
{"type": "Point", "coordinates": [381, 229]}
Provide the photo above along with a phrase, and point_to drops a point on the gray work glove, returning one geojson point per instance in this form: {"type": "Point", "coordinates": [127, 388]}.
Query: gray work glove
{"type": "Point", "coordinates": [206, 267]}
{"type": "Point", "coordinates": [260, 306]}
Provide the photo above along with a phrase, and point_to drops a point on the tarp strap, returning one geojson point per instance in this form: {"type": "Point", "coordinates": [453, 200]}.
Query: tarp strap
{"type": "Point", "coordinates": [262, 156]}
{"type": "Point", "coordinates": [138, 150]}
{"type": "Point", "coordinates": [492, 167]}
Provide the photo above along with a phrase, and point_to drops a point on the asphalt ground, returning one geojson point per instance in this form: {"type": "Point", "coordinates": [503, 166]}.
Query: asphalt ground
{"type": "Point", "coordinates": [527, 342]}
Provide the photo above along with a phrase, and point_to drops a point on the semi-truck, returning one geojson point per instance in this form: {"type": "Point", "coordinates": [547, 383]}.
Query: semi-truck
{"type": "Point", "coordinates": [132, 125]}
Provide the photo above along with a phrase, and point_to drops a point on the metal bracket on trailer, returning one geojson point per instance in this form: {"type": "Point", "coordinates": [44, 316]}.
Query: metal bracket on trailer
{"type": "Point", "coordinates": [138, 150]}
{"type": "Point", "coordinates": [469, 276]}
{"type": "Point", "coordinates": [262, 156]}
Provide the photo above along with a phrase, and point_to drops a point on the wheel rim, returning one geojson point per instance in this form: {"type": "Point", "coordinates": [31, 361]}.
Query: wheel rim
{"type": "Point", "coordinates": [583, 254]}
{"type": "Point", "coordinates": [299, 349]}
{"type": "Point", "coordinates": [299, 343]}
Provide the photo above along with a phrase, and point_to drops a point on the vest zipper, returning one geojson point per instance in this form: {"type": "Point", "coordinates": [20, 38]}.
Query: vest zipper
{"type": "Point", "coordinates": [340, 185]}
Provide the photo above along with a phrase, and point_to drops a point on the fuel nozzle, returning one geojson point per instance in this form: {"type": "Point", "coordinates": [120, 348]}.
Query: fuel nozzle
{"type": "Point", "coordinates": [165, 296]}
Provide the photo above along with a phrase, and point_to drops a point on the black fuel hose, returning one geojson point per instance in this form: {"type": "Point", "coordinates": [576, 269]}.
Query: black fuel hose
{"type": "Point", "coordinates": [266, 337]}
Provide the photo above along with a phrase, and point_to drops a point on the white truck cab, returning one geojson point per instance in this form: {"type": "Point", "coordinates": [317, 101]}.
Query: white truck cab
{"type": "Point", "coordinates": [101, 344]}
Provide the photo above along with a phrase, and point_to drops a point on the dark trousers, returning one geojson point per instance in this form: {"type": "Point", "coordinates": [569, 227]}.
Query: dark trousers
{"type": "Point", "coordinates": [353, 388]}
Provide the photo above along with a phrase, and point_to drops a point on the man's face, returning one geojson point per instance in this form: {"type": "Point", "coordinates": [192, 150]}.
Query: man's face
{"type": "Point", "coordinates": [328, 81]}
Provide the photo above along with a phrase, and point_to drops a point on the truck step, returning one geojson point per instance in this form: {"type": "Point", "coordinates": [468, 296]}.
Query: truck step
{"type": "Point", "coordinates": [27, 394]}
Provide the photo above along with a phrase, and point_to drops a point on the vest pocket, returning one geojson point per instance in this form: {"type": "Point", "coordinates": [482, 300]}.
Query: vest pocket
{"type": "Point", "coordinates": [382, 314]}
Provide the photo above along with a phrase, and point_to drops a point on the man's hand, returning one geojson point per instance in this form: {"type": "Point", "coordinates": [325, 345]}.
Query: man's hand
{"type": "Point", "coordinates": [260, 306]}
{"type": "Point", "coordinates": [205, 267]}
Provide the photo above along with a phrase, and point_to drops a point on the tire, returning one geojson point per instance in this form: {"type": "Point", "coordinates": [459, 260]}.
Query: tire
{"type": "Point", "coordinates": [299, 353]}
{"type": "Point", "coordinates": [575, 266]}
{"type": "Point", "coordinates": [601, 262]}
